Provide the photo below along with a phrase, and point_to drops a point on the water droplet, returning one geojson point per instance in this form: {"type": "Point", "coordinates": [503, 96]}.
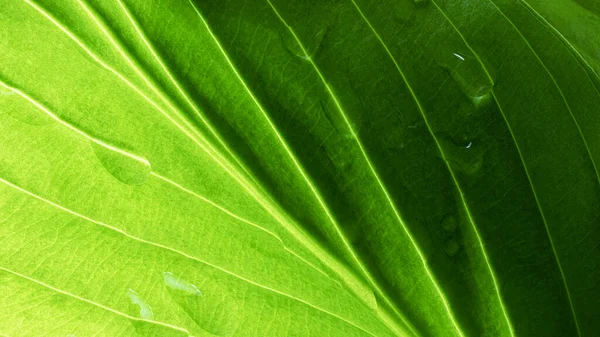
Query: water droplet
{"type": "Point", "coordinates": [177, 284]}
{"type": "Point", "coordinates": [209, 304]}
{"type": "Point", "coordinates": [449, 223]}
{"type": "Point", "coordinates": [123, 165]}
{"type": "Point", "coordinates": [451, 247]}
{"type": "Point", "coordinates": [311, 48]}
{"type": "Point", "coordinates": [21, 109]}
{"type": "Point", "coordinates": [420, 2]}
{"type": "Point", "coordinates": [292, 46]}
{"type": "Point", "coordinates": [483, 100]}
{"type": "Point", "coordinates": [470, 76]}
{"type": "Point", "coordinates": [331, 113]}
{"type": "Point", "coordinates": [465, 155]}
{"type": "Point", "coordinates": [145, 308]}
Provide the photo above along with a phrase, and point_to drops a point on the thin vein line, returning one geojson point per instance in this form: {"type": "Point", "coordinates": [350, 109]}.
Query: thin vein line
{"type": "Point", "coordinates": [284, 144]}
{"type": "Point", "coordinates": [173, 80]}
{"type": "Point", "coordinates": [523, 162]}
{"type": "Point", "coordinates": [210, 202]}
{"type": "Point", "coordinates": [563, 39]}
{"type": "Point", "coordinates": [557, 87]}
{"type": "Point", "coordinates": [73, 128]}
{"type": "Point", "coordinates": [355, 136]}
{"type": "Point", "coordinates": [176, 251]}
{"type": "Point", "coordinates": [119, 313]}
{"type": "Point", "coordinates": [143, 160]}
{"type": "Point", "coordinates": [470, 216]}
{"type": "Point", "coordinates": [137, 158]}
{"type": "Point", "coordinates": [314, 247]}
{"type": "Point", "coordinates": [547, 24]}
{"type": "Point", "coordinates": [413, 241]}
{"type": "Point", "coordinates": [280, 218]}
{"type": "Point", "coordinates": [272, 209]}
{"type": "Point", "coordinates": [268, 205]}
{"type": "Point", "coordinates": [531, 183]}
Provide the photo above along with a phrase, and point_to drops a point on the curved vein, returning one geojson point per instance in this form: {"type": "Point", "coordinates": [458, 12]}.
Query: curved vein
{"type": "Point", "coordinates": [137, 158]}
{"type": "Point", "coordinates": [155, 174]}
{"type": "Point", "coordinates": [363, 152]}
{"type": "Point", "coordinates": [286, 147]}
{"type": "Point", "coordinates": [589, 153]}
{"type": "Point", "coordinates": [177, 85]}
{"type": "Point", "coordinates": [557, 87]}
{"type": "Point", "coordinates": [82, 299]}
{"type": "Point", "coordinates": [272, 209]}
{"type": "Point", "coordinates": [524, 166]}
{"type": "Point", "coordinates": [413, 241]}
{"type": "Point", "coordinates": [176, 251]}
{"type": "Point", "coordinates": [563, 39]}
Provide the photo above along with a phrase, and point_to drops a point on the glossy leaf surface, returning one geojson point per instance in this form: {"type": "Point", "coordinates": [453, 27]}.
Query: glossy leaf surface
{"type": "Point", "coordinates": [299, 168]}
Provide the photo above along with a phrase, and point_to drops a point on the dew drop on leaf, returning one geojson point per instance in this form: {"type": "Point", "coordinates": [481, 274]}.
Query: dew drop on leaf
{"type": "Point", "coordinates": [463, 155]}
{"type": "Point", "coordinates": [311, 47]}
{"type": "Point", "coordinates": [291, 45]}
{"type": "Point", "coordinates": [468, 73]}
{"type": "Point", "coordinates": [206, 302]}
{"type": "Point", "coordinates": [451, 247]}
{"type": "Point", "coordinates": [123, 165]}
{"type": "Point", "coordinates": [449, 223]}
{"type": "Point", "coordinates": [145, 310]}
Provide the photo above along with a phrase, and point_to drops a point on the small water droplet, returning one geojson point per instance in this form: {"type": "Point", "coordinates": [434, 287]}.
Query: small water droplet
{"type": "Point", "coordinates": [212, 308]}
{"type": "Point", "coordinates": [332, 114]}
{"type": "Point", "coordinates": [311, 48]}
{"type": "Point", "coordinates": [465, 156]}
{"type": "Point", "coordinates": [177, 284]}
{"type": "Point", "coordinates": [451, 247]}
{"type": "Point", "coordinates": [449, 223]}
{"type": "Point", "coordinates": [467, 71]}
{"type": "Point", "coordinates": [145, 308]}
{"type": "Point", "coordinates": [123, 165]}
{"type": "Point", "coordinates": [291, 45]}
{"type": "Point", "coordinates": [420, 2]}
{"type": "Point", "coordinates": [483, 100]}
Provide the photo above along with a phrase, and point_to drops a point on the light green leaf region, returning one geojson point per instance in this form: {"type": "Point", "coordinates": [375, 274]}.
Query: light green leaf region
{"type": "Point", "coordinates": [413, 168]}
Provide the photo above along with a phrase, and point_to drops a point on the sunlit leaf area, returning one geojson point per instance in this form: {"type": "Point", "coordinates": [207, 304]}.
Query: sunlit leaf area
{"type": "Point", "coordinates": [300, 168]}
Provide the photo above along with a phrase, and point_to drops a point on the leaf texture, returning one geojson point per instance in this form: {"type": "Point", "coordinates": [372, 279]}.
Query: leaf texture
{"type": "Point", "coordinates": [299, 168]}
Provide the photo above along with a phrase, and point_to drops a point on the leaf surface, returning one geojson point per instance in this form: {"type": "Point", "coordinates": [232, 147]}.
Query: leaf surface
{"type": "Point", "coordinates": [299, 168]}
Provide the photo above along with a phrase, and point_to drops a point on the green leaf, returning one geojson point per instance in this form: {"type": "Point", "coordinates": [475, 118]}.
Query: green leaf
{"type": "Point", "coordinates": [299, 168]}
